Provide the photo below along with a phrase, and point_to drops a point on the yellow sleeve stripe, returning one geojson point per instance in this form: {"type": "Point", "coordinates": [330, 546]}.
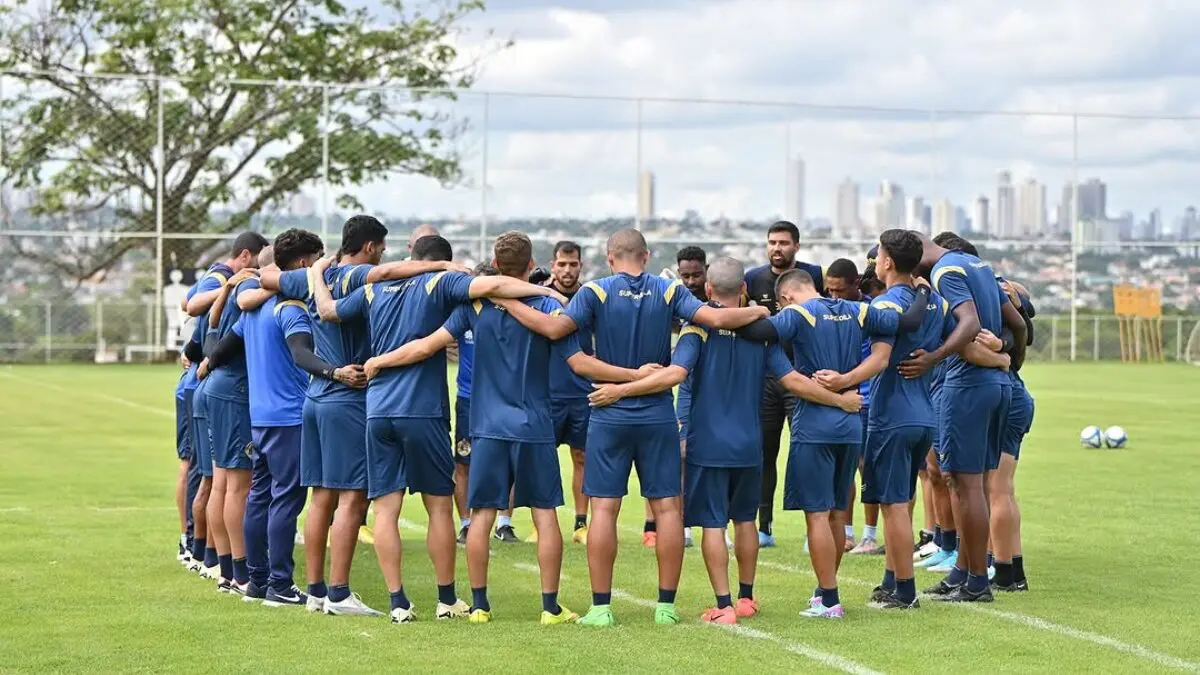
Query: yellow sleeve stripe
{"type": "Point", "coordinates": [292, 303]}
{"type": "Point", "coordinates": [802, 311]}
{"type": "Point", "coordinates": [862, 313]}
{"type": "Point", "coordinates": [557, 312]}
{"type": "Point", "coordinates": [600, 294]}
{"type": "Point", "coordinates": [311, 277]}
{"type": "Point", "coordinates": [670, 292]}
{"type": "Point", "coordinates": [346, 281]}
{"type": "Point", "coordinates": [694, 330]}
{"type": "Point", "coordinates": [369, 291]}
{"type": "Point", "coordinates": [949, 268]}
{"type": "Point", "coordinates": [887, 304]}
{"type": "Point", "coordinates": [219, 277]}
{"type": "Point", "coordinates": [432, 283]}
{"type": "Point", "coordinates": [477, 306]}
{"type": "Point", "coordinates": [945, 306]}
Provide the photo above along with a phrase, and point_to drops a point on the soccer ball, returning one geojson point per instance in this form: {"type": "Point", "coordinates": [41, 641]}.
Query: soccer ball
{"type": "Point", "coordinates": [1091, 437]}
{"type": "Point", "coordinates": [1114, 437]}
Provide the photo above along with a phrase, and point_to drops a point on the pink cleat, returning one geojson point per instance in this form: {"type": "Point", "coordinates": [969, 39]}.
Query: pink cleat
{"type": "Point", "coordinates": [745, 608]}
{"type": "Point", "coordinates": [725, 616]}
{"type": "Point", "coordinates": [819, 611]}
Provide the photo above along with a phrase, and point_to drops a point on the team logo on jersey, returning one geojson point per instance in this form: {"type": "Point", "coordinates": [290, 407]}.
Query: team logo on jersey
{"type": "Point", "coordinates": [463, 448]}
{"type": "Point", "coordinates": [836, 317]}
{"type": "Point", "coordinates": [249, 449]}
{"type": "Point", "coordinates": [626, 293]}
{"type": "Point", "coordinates": [469, 336]}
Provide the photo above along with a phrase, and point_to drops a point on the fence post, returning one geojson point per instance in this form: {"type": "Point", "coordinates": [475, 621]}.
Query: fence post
{"type": "Point", "coordinates": [1178, 339]}
{"type": "Point", "coordinates": [325, 124]}
{"type": "Point", "coordinates": [49, 332]}
{"type": "Point", "coordinates": [155, 324]}
{"type": "Point", "coordinates": [1096, 338]}
{"type": "Point", "coordinates": [99, 325]}
{"type": "Point", "coordinates": [1054, 338]}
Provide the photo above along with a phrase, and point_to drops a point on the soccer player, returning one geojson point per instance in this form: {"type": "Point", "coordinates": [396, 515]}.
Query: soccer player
{"type": "Point", "coordinates": [974, 407]}
{"type": "Point", "coordinates": [826, 334]}
{"type": "Point", "coordinates": [783, 241]}
{"type": "Point", "coordinates": [183, 451]}
{"type": "Point", "coordinates": [630, 314]}
{"type": "Point", "coordinates": [722, 480]}
{"type": "Point", "coordinates": [408, 411]}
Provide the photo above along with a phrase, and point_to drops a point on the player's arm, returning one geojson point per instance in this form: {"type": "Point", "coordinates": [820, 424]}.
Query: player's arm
{"type": "Point", "coordinates": [326, 306]}
{"type": "Point", "coordinates": [253, 295]}
{"type": "Point", "coordinates": [202, 300]}
{"type": "Point", "coordinates": [193, 350]}
{"type": "Point", "coordinates": [497, 287]}
{"type": "Point", "coordinates": [592, 368]}
{"type": "Point", "coordinates": [1014, 321]}
{"type": "Point", "coordinates": [875, 363]}
{"type": "Point", "coordinates": [214, 314]}
{"type": "Point", "coordinates": [555, 326]}
{"type": "Point", "coordinates": [760, 330]}
{"type": "Point", "coordinates": [728, 318]}
{"type": "Point", "coordinates": [884, 317]}
{"type": "Point", "coordinates": [409, 353]}
{"type": "Point", "coordinates": [304, 355]}
{"type": "Point", "coordinates": [683, 361]}
{"type": "Point", "coordinates": [808, 389]}
{"type": "Point", "coordinates": [406, 269]}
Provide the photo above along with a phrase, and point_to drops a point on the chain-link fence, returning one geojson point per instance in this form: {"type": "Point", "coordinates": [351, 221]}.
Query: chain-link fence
{"type": "Point", "coordinates": [115, 190]}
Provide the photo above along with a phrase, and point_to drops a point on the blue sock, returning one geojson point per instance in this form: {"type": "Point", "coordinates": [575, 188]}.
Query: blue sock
{"type": "Point", "coordinates": [479, 599]}
{"type": "Point", "coordinates": [889, 581]}
{"type": "Point", "coordinates": [241, 573]}
{"type": "Point", "coordinates": [906, 589]}
{"type": "Point", "coordinates": [210, 557]}
{"type": "Point", "coordinates": [991, 559]}
{"type": "Point", "coordinates": [829, 597]}
{"type": "Point", "coordinates": [957, 576]}
{"type": "Point", "coordinates": [226, 563]}
{"type": "Point", "coordinates": [724, 601]}
{"type": "Point", "coordinates": [977, 583]}
{"type": "Point", "coordinates": [446, 594]}
{"type": "Point", "coordinates": [400, 600]}
{"type": "Point", "coordinates": [666, 597]}
{"type": "Point", "coordinates": [318, 590]}
{"type": "Point", "coordinates": [550, 603]}
{"type": "Point", "coordinates": [338, 593]}
{"type": "Point", "coordinates": [601, 599]}
{"type": "Point", "coordinates": [746, 590]}
{"type": "Point", "coordinates": [937, 535]}
{"type": "Point", "coordinates": [198, 546]}
{"type": "Point", "coordinates": [650, 526]}
{"type": "Point", "coordinates": [816, 592]}
{"type": "Point", "coordinates": [949, 541]}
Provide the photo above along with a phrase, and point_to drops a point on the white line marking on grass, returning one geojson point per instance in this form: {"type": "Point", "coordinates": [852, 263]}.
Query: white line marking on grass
{"type": "Point", "coordinates": [14, 509]}
{"type": "Point", "coordinates": [410, 525]}
{"type": "Point", "coordinates": [125, 509]}
{"type": "Point", "coordinates": [105, 397]}
{"type": "Point", "coordinates": [824, 658]}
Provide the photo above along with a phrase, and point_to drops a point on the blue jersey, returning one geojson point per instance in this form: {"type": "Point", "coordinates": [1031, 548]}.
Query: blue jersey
{"type": "Point", "coordinates": [466, 362]}
{"type": "Point", "coordinates": [400, 312]}
{"type": "Point", "coordinates": [726, 373]}
{"type": "Point", "coordinates": [960, 277]}
{"type": "Point", "coordinates": [565, 385]}
{"type": "Point", "coordinates": [827, 334]}
{"type": "Point", "coordinates": [903, 402]}
{"type": "Point", "coordinates": [214, 278]}
{"type": "Point", "coordinates": [336, 343]}
{"type": "Point", "coordinates": [277, 383]}
{"type": "Point", "coordinates": [229, 382]}
{"type": "Point", "coordinates": [631, 318]}
{"type": "Point", "coordinates": [510, 396]}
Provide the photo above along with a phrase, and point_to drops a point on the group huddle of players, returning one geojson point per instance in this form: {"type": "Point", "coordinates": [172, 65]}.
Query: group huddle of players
{"type": "Point", "coordinates": [329, 374]}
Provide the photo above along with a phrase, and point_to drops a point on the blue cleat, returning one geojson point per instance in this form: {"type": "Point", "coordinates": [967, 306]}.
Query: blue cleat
{"type": "Point", "coordinates": [766, 540]}
{"type": "Point", "coordinates": [936, 559]}
{"type": "Point", "coordinates": [946, 565]}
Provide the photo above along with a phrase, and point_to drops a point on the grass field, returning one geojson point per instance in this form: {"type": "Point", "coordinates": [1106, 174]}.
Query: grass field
{"type": "Point", "coordinates": [88, 533]}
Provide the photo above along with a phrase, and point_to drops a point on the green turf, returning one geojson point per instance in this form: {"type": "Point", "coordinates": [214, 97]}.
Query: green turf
{"type": "Point", "coordinates": [88, 529]}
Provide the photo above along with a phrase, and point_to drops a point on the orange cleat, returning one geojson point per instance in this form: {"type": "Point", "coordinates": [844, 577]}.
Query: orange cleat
{"type": "Point", "coordinates": [649, 539]}
{"type": "Point", "coordinates": [745, 607]}
{"type": "Point", "coordinates": [722, 615]}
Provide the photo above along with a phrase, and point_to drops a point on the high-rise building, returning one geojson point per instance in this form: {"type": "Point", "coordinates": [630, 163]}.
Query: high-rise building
{"type": "Point", "coordinates": [1093, 200]}
{"type": "Point", "coordinates": [1006, 207]}
{"type": "Point", "coordinates": [877, 213]}
{"type": "Point", "coordinates": [914, 213]}
{"type": "Point", "coordinates": [892, 195]}
{"type": "Point", "coordinates": [1031, 216]}
{"type": "Point", "coordinates": [645, 204]}
{"type": "Point", "coordinates": [794, 210]}
{"type": "Point", "coordinates": [846, 222]}
{"type": "Point", "coordinates": [944, 216]}
{"type": "Point", "coordinates": [979, 216]}
{"type": "Point", "coordinates": [1068, 208]}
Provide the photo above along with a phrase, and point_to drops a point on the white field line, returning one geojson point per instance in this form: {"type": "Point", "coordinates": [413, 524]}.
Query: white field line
{"type": "Point", "coordinates": [84, 393]}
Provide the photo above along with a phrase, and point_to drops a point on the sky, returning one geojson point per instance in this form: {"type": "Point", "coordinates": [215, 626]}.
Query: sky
{"type": "Point", "coordinates": [889, 63]}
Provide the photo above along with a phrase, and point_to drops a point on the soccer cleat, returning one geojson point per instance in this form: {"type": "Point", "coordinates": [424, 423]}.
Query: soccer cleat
{"type": "Point", "coordinates": [239, 589]}
{"type": "Point", "coordinates": [820, 611]}
{"type": "Point", "coordinates": [725, 616]}
{"type": "Point", "coordinates": [186, 560]}
{"type": "Point", "coordinates": [926, 538]}
{"type": "Point", "coordinates": [687, 537]}
{"type": "Point", "coordinates": [462, 536]}
{"type": "Point", "coordinates": [456, 611]}
{"type": "Point", "coordinates": [253, 593]}
{"type": "Point", "coordinates": [366, 535]}
{"type": "Point", "coordinates": [315, 605]}
{"type": "Point", "coordinates": [183, 550]}
{"type": "Point", "coordinates": [532, 538]}
{"type": "Point", "coordinates": [991, 572]}
{"type": "Point", "coordinates": [580, 536]}
{"type": "Point", "coordinates": [940, 589]}
{"type": "Point", "coordinates": [401, 615]}
{"type": "Point", "coordinates": [507, 534]}
{"type": "Point", "coordinates": [745, 608]}
{"type": "Point", "coordinates": [924, 551]}
{"type": "Point", "coordinates": [961, 594]}
{"type": "Point", "coordinates": [868, 546]}
{"type": "Point", "coordinates": [352, 605]}
{"type": "Point", "coordinates": [892, 602]}
{"type": "Point", "coordinates": [649, 539]}
{"type": "Point", "coordinates": [768, 540]}
{"type": "Point", "coordinates": [224, 585]}
{"type": "Point", "coordinates": [479, 616]}
{"type": "Point", "coordinates": [878, 596]}
{"type": "Point", "coordinates": [936, 558]}
{"type": "Point", "coordinates": [213, 572]}
{"type": "Point", "coordinates": [665, 614]}
{"type": "Point", "coordinates": [1015, 587]}
{"type": "Point", "coordinates": [849, 546]}
{"type": "Point", "coordinates": [598, 615]}
{"type": "Point", "coordinates": [946, 565]}
{"type": "Point", "coordinates": [292, 597]}
{"type": "Point", "coordinates": [564, 616]}
{"type": "Point", "coordinates": [195, 566]}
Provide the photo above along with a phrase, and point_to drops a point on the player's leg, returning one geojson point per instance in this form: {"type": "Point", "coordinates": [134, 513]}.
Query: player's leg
{"type": "Point", "coordinates": [901, 452]}
{"type": "Point", "coordinates": [706, 493]}
{"type": "Point", "coordinates": [925, 542]}
{"type": "Point", "coordinates": [200, 543]}
{"type": "Point", "coordinates": [819, 487]}
{"type": "Point", "coordinates": [229, 424]}
{"type": "Point", "coordinates": [385, 486]}
{"type": "Point", "coordinates": [489, 492]}
{"type": "Point", "coordinates": [578, 497]}
{"type": "Point", "coordinates": [215, 515]}
{"type": "Point", "coordinates": [343, 431]}
{"type": "Point", "coordinates": [504, 530]}
{"type": "Point", "coordinates": [320, 508]}
{"type": "Point", "coordinates": [254, 524]}
{"type": "Point", "coordinates": [656, 457]}
{"type": "Point", "coordinates": [193, 476]}
{"type": "Point", "coordinates": [478, 542]}
{"type": "Point", "coordinates": [772, 415]}
{"type": "Point", "coordinates": [537, 484]}
{"type": "Point", "coordinates": [183, 451]}
{"type": "Point", "coordinates": [462, 463]}
{"type": "Point", "coordinates": [945, 557]}
{"type": "Point", "coordinates": [848, 521]}
{"type": "Point", "coordinates": [282, 449]}
{"type": "Point", "coordinates": [429, 470]}
{"type": "Point", "coordinates": [845, 466]}
{"type": "Point", "coordinates": [351, 507]}
{"type": "Point", "coordinates": [608, 462]}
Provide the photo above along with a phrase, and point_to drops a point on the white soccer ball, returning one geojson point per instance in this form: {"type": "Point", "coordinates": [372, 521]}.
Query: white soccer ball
{"type": "Point", "coordinates": [1114, 437]}
{"type": "Point", "coordinates": [1091, 437]}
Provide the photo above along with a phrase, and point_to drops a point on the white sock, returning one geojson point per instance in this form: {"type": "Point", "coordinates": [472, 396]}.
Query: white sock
{"type": "Point", "coordinates": [503, 521]}
{"type": "Point", "coordinates": [466, 522]}
{"type": "Point", "coordinates": [849, 531]}
{"type": "Point", "coordinates": [868, 531]}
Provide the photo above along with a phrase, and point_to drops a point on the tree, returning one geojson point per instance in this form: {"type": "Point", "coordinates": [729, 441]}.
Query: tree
{"type": "Point", "coordinates": [82, 145]}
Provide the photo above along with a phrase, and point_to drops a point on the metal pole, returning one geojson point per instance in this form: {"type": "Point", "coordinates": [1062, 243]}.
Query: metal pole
{"type": "Point", "coordinates": [934, 175]}
{"type": "Point", "coordinates": [1179, 338]}
{"type": "Point", "coordinates": [483, 189]}
{"type": "Point", "coordinates": [325, 124]}
{"type": "Point", "coordinates": [637, 212]}
{"type": "Point", "coordinates": [1074, 228]}
{"type": "Point", "coordinates": [1096, 338]}
{"type": "Point", "coordinates": [158, 338]}
{"type": "Point", "coordinates": [1054, 338]}
{"type": "Point", "coordinates": [49, 332]}
{"type": "Point", "coordinates": [787, 188]}
{"type": "Point", "coordinates": [99, 325]}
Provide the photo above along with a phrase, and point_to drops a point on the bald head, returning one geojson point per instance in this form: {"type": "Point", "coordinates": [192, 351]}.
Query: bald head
{"type": "Point", "coordinates": [422, 231]}
{"type": "Point", "coordinates": [725, 277]}
{"type": "Point", "coordinates": [266, 256]}
{"type": "Point", "coordinates": [627, 244]}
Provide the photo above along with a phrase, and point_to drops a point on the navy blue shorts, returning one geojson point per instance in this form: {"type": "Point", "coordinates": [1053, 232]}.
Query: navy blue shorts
{"type": "Point", "coordinates": [409, 453]}
{"type": "Point", "coordinates": [613, 451]}
{"type": "Point", "coordinates": [971, 423]}
{"type": "Point", "coordinates": [891, 461]}
{"type": "Point", "coordinates": [333, 448]}
{"type": "Point", "coordinates": [229, 427]}
{"type": "Point", "coordinates": [528, 470]}
{"type": "Point", "coordinates": [715, 495]}
{"type": "Point", "coordinates": [202, 434]}
{"type": "Point", "coordinates": [183, 427]}
{"type": "Point", "coordinates": [819, 476]}
{"type": "Point", "coordinates": [462, 430]}
{"type": "Point", "coordinates": [571, 417]}
{"type": "Point", "coordinates": [1020, 421]}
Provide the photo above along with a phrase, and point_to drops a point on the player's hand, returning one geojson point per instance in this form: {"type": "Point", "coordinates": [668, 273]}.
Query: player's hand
{"type": "Point", "coordinates": [451, 266]}
{"type": "Point", "coordinates": [351, 376]}
{"type": "Point", "coordinates": [240, 277]}
{"type": "Point", "coordinates": [989, 340]}
{"type": "Point", "coordinates": [761, 312]}
{"type": "Point", "coordinates": [202, 370]}
{"type": "Point", "coordinates": [183, 361]}
{"type": "Point", "coordinates": [372, 368]}
{"type": "Point", "coordinates": [647, 370]}
{"type": "Point", "coordinates": [850, 402]}
{"type": "Point", "coordinates": [605, 395]}
{"type": "Point", "coordinates": [917, 365]}
{"type": "Point", "coordinates": [562, 299]}
{"type": "Point", "coordinates": [921, 282]}
{"type": "Point", "coordinates": [831, 380]}
{"type": "Point", "coordinates": [1007, 362]}
{"type": "Point", "coordinates": [323, 264]}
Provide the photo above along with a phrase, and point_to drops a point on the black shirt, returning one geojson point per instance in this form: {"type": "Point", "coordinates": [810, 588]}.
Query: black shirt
{"type": "Point", "coordinates": [760, 284]}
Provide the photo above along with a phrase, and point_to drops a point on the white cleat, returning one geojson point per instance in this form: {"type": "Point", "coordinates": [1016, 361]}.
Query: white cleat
{"type": "Point", "coordinates": [213, 572]}
{"type": "Point", "coordinates": [458, 610]}
{"type": "Point", "coordinates": [186, 560]}
{"type": "Point", "coordinates": [224, 585]}
{"type": "Point", "coordinates": [404, 615]}
{"type": "Point", "coordinates": [314, 604]}
{"type": "Point", "coordinates": [351, 606]}
{"type": "Point", "coordinates": [926, 551]}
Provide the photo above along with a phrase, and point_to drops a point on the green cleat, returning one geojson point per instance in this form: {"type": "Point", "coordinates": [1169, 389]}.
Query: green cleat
{"type": "Point", "coordinates": [665, 614]}
{"type": "Point", "coordinates": [598, 615]}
